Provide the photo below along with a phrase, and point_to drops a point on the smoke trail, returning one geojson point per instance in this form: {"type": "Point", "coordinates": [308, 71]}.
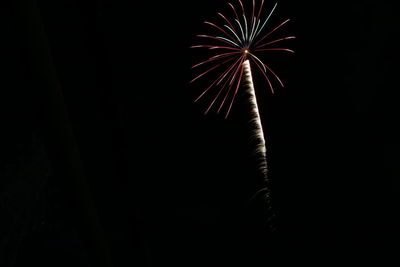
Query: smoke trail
{"type": "Point", "coordinates": [255, 120]}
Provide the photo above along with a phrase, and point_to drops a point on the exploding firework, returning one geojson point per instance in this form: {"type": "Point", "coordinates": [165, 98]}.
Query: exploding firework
{"type": "Point", "coordinates": [240, 39]}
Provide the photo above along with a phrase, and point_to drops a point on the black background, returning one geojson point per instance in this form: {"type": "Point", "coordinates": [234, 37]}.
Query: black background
{"type": "Point", "coordinates": [170, 185]}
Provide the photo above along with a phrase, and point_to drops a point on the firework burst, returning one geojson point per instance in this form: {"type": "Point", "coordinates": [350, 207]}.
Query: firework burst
{"type": "Point", "coordinates": [240, 37]}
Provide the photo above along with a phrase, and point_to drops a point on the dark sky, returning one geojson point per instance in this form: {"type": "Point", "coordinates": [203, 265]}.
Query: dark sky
{"type": "Point", "coordinates": [171, 186]}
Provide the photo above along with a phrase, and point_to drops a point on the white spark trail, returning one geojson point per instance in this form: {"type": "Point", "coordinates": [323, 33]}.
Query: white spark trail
{"type": "Point", "coordinates": [241, 30]}
{"type": "Point", "coordinates": [233, 31]}
{"type": "Point", "coordinates": [255, 118]}
{"type": "Point", "coordinates": [265, 22]}
{"type": "Point", "coordinates": [246, 29]}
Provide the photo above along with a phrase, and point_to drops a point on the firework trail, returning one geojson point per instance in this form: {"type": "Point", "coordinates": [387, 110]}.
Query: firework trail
{"type": "Point", "coordinates": [235, 45]}
{"type": "Point", "coordinates": [255, 117]}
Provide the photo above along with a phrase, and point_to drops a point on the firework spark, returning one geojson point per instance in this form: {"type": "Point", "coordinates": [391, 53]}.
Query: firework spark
{"type": "Point", "coordinates": [238, 39]}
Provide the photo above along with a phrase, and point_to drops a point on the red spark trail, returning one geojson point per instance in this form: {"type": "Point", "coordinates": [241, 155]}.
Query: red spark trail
{"type": "Point", "coordinates": [207, 71]}
{"type": "Point", "coordinates": [215, 47]}
{"type": "Point", "coordinates": [265, 76]}
{"type": "Point", "coordinates": [241, 4]}
{"type": "Point", "coordinates": [236, 90]}
{"type": "Point", "coordinates": [219, 56]}
{"type": "Point", "coordinates": [252, 12]}
{"type": "Point", "coordinates": [219, 28]}
{"type": "Point", "coordinates": [221, 90]}
{"type": "Point", "coordinates": [235, 72]}
{"type": "Point", "coordinates": [230, 24]}
{"type": "Point", "coordinates": [216, 80]}
{"type": "Point", "coordinates": [214, 38]}
{"type": "Point", "coordinates": [275, 49]}
{"type": "Point", "coordinates": [275, 41]}
{"type": "Point", "coordinates": [265, 36]}
{"type": "Point", "coordinates": [234, 10]}
{"type": "Point", "coordinates": [273, 73]}
{"type": "Point", "coordinates": [259, 11]}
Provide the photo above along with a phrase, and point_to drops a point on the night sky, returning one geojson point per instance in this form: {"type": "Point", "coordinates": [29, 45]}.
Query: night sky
{"type": "Point", "coordinates": [124, 150]}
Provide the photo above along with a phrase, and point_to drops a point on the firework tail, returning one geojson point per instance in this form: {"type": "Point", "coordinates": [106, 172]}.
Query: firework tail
{"type": "Point", "coordinates": [258, 135]}
{"type": "Point", "coordinates": [255, 119]}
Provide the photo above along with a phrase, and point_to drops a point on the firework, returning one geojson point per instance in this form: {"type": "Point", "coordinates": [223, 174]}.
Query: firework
{"type": "Point", "coordinates": [240, 39]}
